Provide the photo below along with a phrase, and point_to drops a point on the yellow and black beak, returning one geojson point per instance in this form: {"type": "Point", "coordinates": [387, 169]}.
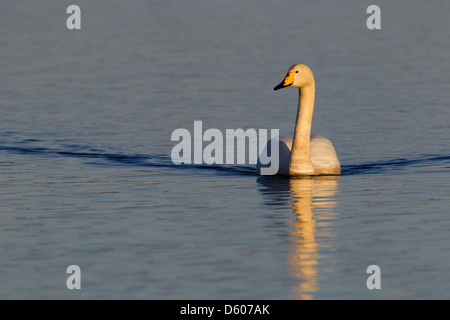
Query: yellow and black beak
{"type": "Point", "coordinates": [288, 80]}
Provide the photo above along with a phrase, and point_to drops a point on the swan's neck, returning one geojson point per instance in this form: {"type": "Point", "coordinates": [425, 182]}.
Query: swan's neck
{"type": "Point", "coordinates": [300, 162]}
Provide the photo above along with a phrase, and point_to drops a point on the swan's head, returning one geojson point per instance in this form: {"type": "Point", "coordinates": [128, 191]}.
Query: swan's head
{"type": "Point", "coordinates": [298, 76]}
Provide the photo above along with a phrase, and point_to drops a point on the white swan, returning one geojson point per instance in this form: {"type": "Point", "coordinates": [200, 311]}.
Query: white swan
{"type": "Point", "coordinates": [306, 155]}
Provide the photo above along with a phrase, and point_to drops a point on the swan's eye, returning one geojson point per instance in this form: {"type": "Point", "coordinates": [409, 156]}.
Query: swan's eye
{"type": "Point", "coordinates": [296, 71]}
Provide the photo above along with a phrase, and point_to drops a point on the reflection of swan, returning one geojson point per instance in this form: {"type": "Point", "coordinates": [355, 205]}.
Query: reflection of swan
{"type": "Point", "coordinates": [310, 197]}
{"type": "Point", "coordinates": [306, 155]}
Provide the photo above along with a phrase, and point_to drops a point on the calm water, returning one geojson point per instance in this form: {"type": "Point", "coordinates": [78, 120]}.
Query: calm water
{"type": "Point", "coordinates": [86, 176]}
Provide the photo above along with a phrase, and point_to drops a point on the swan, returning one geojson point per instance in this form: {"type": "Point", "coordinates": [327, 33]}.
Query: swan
{"type": "Point", "coordinates": [306, 154]}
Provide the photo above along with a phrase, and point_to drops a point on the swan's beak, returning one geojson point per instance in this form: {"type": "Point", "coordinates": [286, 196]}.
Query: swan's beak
{"type": "Point", "coordinates": [288, 80]}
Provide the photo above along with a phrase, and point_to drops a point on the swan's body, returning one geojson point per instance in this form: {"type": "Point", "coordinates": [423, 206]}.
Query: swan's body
{"type": "Point", "coordinates": [305, 155]}
{"type": "Point", "coordinates": [323, 157]}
